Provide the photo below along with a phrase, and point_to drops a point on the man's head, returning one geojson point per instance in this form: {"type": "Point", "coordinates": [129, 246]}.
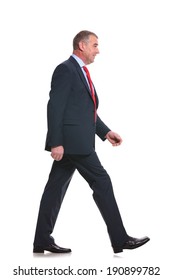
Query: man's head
{"type": "Point", "coordinates": [85, 46]}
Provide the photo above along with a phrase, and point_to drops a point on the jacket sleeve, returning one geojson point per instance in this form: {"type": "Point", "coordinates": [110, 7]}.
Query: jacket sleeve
{"type": "Point", "coordinates": [60, 89]}
{"type": "Point", "coordinates": [101, 128]}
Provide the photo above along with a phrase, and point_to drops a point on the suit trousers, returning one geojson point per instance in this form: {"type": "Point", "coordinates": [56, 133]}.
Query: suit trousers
{"type": "Point", "coordinates": [92, 171]}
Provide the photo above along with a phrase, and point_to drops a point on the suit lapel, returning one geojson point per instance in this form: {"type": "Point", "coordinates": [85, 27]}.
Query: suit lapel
{"type": "Point", "coordinates": [79, 70]}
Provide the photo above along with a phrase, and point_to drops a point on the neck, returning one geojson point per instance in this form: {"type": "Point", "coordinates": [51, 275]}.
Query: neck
{"type": "Point", "coordinates": [80, 55]}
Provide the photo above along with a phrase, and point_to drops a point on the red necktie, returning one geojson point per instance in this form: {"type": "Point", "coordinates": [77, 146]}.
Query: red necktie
{"type": "Point", "coordinates": [91, 88]}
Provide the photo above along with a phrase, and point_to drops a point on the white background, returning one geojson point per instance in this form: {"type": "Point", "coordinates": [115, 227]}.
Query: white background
{"type": "Point", "coordinates": [133, 77]}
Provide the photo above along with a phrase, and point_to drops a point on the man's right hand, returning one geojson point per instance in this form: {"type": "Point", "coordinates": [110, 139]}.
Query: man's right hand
{"type": "Point", "coordinates": [57, 152]}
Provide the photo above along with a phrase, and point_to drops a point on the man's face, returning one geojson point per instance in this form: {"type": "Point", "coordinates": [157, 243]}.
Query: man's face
{"type": "Point", "coordinates": [90, 49]}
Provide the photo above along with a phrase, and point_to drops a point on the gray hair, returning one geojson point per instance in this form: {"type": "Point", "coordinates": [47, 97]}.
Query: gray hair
{"type": "Point", "coordinates": [82, 36]}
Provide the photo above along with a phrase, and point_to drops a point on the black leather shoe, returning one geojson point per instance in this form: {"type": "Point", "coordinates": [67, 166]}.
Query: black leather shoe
{"type": "Point", "coordinates": [53, 248]}
{"type": "Point", "coordinates": [132, 243]}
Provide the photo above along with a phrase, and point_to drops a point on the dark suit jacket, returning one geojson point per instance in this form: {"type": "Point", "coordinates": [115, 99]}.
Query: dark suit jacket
{"type": "Point", "coordinates": [71, 111]}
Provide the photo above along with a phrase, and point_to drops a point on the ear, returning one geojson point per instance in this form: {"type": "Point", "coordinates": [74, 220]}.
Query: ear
{"type": "Point", "coordinates": [82, 46]}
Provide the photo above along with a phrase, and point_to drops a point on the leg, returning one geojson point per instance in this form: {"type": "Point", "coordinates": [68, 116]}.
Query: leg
{"type": "Point", "coordinates": [54, 192]}
{"type": "Point", "coordinates": [94, 173]}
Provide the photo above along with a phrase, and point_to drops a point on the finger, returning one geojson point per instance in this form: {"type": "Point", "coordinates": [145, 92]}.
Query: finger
{"type": "Point", "coordinates": [56, 156]}
{"type": "Point", "coordinates": [112, 141]}
{"type": "Point", "coordinates": [59, 157]}
{"type": "Point", "coordinates": [118, 141]}
{"type": "Point", "coordinates": [116, 144]}
{"type": "Point", "coordinates": [52, 155]}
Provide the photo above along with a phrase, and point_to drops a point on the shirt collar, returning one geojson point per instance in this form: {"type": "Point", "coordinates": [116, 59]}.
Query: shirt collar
{"type": "Point", "coordinates": [80, 61]}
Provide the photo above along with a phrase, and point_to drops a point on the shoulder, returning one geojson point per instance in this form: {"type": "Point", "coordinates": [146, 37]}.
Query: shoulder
{"type": "Point", "coordinates": [67, 70]}
{"type": "Point", "coordinates": [68, 64]}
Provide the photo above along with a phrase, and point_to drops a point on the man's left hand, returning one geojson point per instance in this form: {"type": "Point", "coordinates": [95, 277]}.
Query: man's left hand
{"type": "Point", "coordinates": [114, 138]}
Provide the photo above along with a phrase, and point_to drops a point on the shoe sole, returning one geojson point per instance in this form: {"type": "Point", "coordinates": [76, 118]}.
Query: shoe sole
{"type": "Point", "coordinates": [39, 251]}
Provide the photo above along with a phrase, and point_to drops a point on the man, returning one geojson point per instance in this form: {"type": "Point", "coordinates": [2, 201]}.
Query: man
{"type": "Point", "coordinates": [72, 125]}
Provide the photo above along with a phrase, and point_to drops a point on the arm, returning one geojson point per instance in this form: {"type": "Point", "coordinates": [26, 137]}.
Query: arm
{"type": "Point", "coordinates": [101, 128]}
{"type": "Point", "coordinates": [60, 89]}
{"type": "Point", "coordinates": [105, 133]}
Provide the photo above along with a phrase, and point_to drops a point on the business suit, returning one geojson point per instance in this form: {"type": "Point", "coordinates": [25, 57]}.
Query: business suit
{"type": "Point", "coordinates": [71, 124]}
{"type": "Point", "coordinates": [71, 99]}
